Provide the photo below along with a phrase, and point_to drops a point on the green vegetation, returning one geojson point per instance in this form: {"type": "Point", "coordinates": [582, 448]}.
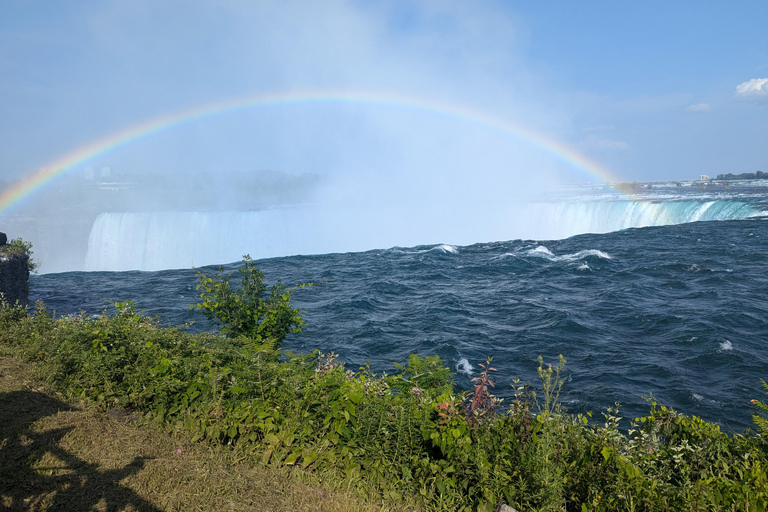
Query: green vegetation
{"type": "Point", "coordinates": [18, 247]}
{"type": "Point", "coordinates": [759, 175]}
{"type": "Point", "coordinates": [761, 414]}
{"type": "Point", "coordinates": [252, 311]}
{"type": "Point", "coordinates": [402, 437]}
{"type": "Point", "coordinates": [68, 455]}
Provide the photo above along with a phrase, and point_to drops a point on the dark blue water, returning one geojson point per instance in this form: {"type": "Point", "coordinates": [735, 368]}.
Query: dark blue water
{"type": "Point", "coordinates": [680, 312]}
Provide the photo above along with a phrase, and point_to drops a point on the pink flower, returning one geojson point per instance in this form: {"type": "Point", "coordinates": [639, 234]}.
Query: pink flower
{"type": "Point", "coordinates": [178, 451]}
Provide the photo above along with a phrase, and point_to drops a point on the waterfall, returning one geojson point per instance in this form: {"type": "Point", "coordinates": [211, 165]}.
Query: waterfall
{"type": "Point", "coordinates": [162, 240]}
{"type": "Point", "coordinates": [562, 220]}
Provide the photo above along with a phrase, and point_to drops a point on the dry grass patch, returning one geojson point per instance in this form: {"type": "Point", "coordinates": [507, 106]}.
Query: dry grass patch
{"type": "Point", "coordinates": [56, 456]}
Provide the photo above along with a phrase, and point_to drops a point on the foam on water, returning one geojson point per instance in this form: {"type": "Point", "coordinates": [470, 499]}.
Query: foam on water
{"type": "Point", "coordinates": [442, 248]}
{"type": "Point", "coordinates": [705, 401]}
{"type": "Point", "coordinates": [726, 346]}
{"type": "Point", "coordinates": [584, 254]}
{"type": "Point", "coordinates": [543, 252]}
{"type": "Point", "coordinates": [464, 367]}
{"type": "Point", "coordinates": [447, 248]}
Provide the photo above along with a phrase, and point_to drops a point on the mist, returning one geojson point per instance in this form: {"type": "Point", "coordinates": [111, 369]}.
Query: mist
{"type": "Point", "coordinates": [370, 175]}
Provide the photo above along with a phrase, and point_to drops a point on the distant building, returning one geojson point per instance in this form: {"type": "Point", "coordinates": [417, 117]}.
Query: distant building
{"type": "Point", "coordinates": [704, 177]}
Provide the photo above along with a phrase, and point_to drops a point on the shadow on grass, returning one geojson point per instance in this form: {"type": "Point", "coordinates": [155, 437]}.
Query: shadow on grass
{"type": "Point", "coordinates": [36, 473]}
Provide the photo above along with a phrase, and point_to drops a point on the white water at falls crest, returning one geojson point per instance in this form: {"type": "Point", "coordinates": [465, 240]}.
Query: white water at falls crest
{"type": "Point", "coordinates": [164, 240]}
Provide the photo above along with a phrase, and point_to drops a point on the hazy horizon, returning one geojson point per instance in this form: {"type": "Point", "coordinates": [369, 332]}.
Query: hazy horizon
{"type": "Point", "coordinates": [493, 102]}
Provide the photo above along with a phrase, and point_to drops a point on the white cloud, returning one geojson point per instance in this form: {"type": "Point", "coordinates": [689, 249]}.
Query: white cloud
{"type": "Point", "coordinates": [699, 107]}
{"type": "Point", "coordinates": [594, 141]}
{"type": "Point", "coordinates": [757, 88]}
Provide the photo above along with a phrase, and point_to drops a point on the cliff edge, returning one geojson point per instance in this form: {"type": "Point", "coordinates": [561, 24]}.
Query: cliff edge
{"type": "Point", "coordinates": [14, 271]}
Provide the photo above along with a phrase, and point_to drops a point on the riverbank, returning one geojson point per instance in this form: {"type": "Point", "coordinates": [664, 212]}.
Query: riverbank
{"type": "Point", "coordinates": [397, 438]}
{"type": "Point", "coordinates": [60, 454]}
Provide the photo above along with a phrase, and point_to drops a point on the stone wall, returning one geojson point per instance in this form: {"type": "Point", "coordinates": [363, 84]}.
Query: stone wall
{"type": "Point", "coordinates": [14, 276]}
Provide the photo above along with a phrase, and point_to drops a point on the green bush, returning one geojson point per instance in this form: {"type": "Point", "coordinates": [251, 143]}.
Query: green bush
{"type": "Point", "coordinates": [251, 309]}
{"type": "Point", "coordinates": [761, 415]}
{"type": "Point", "coordinates": [18, 247]}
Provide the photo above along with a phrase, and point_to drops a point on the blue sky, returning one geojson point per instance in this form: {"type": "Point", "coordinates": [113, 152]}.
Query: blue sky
{"type": "Point", "coordinates": [651, 90]}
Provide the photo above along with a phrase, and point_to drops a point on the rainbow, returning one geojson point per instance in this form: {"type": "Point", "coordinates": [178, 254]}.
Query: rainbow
{"type": "Point", "coordinates": [38, 180]}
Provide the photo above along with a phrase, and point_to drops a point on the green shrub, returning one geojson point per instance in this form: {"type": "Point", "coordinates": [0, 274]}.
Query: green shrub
{"type": "Point", "coordinates": [424, 375]}
{"type": "Point", "coordinates": [761, 415]}
{"type": "Point", "coordinates": [18, 247]}
{"type": "Point", "coordinates": [251, 309]}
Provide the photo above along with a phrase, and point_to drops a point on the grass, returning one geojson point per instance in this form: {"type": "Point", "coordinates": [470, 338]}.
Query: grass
{"type": "Point", "coordinates": [57, 454]}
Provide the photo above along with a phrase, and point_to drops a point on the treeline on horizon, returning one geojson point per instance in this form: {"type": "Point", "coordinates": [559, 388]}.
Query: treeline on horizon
{"type": "Point", "coordinates": [158, 191]}
{"type": "Point", "coordinates": [759, 175]}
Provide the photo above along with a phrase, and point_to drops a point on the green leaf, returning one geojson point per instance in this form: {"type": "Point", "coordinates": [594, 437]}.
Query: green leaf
{"type": "Point", "coordinates": [266, 456]}
{"type": "Point", "coordinates": [308, 458]}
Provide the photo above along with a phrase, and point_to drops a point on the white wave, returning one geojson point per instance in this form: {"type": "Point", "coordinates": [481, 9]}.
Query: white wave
{"type": "Point", "coordinates": [446, 248]}
{"type": "Point", "coordinates": [543, 252]}
{"type": "Point", "coordinates": [583, 254]}
{"type": "Point", "coordinates": [583, 266]}
{"type": "Point", "coordinates": [464, 367]}
{"type": "Point", "coordinates": [726, 346]}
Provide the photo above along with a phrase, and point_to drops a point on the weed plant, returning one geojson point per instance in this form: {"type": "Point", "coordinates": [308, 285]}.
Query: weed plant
{"type": "Point", "coordinates": [409, 435]}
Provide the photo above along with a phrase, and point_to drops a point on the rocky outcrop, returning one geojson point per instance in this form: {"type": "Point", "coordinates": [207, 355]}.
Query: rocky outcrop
{"type": "Point", "coordinates": [14, 274]}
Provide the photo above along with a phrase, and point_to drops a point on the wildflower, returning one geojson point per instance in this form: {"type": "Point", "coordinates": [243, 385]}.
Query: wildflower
{"type": "Point", "coordinates": [753, 401]}
{"type": "Point", "coordinates": [178, 451]}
